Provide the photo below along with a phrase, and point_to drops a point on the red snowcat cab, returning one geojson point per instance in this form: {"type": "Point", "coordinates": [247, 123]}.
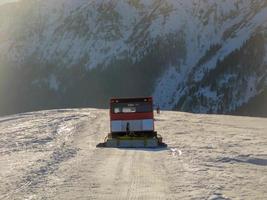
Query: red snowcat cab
{"type": "Point", "coordinates": [132, 124]}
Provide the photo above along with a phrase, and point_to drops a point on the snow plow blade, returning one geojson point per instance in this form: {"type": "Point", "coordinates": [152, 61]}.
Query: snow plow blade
{"type": "Point", "coordinates": [133, 142]}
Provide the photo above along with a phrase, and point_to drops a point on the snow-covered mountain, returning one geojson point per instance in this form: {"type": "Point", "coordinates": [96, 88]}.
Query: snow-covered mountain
{"type": "Point", "coordinates": [200, 56]}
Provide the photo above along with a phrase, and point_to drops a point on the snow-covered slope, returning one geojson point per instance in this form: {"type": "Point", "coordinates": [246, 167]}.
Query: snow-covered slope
{"type": "Point", "coordinates": [227, 37]}
{"type": "Point", "coordinates": [53, 155]}
{"type": "Point", "coordinates": [189, 55]}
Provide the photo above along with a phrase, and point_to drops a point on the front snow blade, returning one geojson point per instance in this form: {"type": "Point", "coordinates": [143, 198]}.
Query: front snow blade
{"type": "Point", "coordinates": [133, 142]}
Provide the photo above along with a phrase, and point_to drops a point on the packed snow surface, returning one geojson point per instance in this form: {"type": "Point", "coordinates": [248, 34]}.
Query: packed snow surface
{"type": "Point", "coordinates": [2, 2]}
{"type": "Point", "coordinates": [52, 155]}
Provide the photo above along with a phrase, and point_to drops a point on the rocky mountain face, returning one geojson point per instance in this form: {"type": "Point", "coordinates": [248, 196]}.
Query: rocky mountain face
{"type": "Point", "coordinates": [198, 56]}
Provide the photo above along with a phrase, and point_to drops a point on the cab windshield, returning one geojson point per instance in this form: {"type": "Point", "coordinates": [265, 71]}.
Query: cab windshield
{"type": "Point", "coordinates": [141, 107]}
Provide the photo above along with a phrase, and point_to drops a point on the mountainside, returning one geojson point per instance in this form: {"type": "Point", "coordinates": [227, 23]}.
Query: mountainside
{"type": "Point", "coordinates": [198, 56]}
{"type": "Point", "coordinates": [53, 155]}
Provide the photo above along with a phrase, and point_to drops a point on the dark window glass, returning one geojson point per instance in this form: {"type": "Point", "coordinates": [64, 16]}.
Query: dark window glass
{"type": "Point", "coordinates": [131, 107]}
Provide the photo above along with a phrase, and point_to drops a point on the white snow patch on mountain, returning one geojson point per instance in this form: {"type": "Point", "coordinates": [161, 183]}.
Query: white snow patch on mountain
{"type": "Point", "coordinates": [251, 88]}
{"type": "Point", "coordinates": [53, 82]}
{"type": "Point", "coordinates": [242, 27]}
{"type": "Point", "coordinates": [231, 44]}
{"type": "Point", "coordinates": [166, 87]}
{"type": "Point", "coordinates": [265, 58]}
{"type": "Point", "coordinates": [208, 93]}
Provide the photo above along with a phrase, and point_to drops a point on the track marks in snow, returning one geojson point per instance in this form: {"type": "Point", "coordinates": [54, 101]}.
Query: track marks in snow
{"type": "Point", "coordinates": [43, 140]}
{"type": "Point", "coordinates": [209, 157]}
{"type": "Point", "coordinates": [133, 174]}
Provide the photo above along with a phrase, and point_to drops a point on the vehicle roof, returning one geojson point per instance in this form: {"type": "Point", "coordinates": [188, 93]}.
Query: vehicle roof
{"type": "Point", "coordinates": [130, 99]}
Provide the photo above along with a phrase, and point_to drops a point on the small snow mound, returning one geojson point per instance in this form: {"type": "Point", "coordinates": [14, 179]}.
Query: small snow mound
{"type": "Point", "coordinates": [175, 152]}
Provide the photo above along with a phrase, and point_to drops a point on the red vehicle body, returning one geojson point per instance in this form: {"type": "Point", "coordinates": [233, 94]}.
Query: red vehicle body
{"type": "Point", "coordinates": [132, 124]}
{"type": "Point", "coordinates": [131, 116]}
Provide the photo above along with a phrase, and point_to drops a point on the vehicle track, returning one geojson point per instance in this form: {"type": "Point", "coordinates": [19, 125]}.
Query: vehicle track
{"type": "Point", "coordinates": [128, 174]}
{"type": "Point", "coordinates": [53, 155]}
